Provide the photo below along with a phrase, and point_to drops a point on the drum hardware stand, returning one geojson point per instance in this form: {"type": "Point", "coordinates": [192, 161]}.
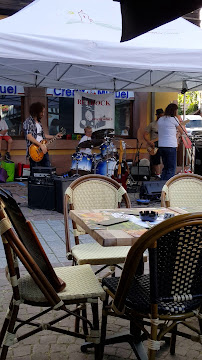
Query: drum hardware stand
{"type": "Point", "coordinates": [137, 156]}
{"type": "Point", "coordinates": [95, 162]}
{"type": "Point", "coordinates": [107, 160]}
{"type": "Point", "coordinates": [193, 152]}
{"type": "Point", "coordinates": [77, 171]}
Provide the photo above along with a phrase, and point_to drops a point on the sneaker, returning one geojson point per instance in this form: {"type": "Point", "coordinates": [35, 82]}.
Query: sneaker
{"type": "Point", "coordinates": [8, 157]}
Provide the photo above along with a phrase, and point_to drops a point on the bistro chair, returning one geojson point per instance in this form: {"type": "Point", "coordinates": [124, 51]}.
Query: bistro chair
{"type": "Point", "coordinates": [171, 294]}
{"type": "Point", "coordinates": [182, 190]}
{"type": "Point", "coordinates": [94, 192]}
{"type": "Point", "coordinates": [42, 286]}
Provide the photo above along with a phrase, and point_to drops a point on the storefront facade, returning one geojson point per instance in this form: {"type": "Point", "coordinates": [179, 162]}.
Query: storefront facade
{"type": "Point", "coordinates": [133, 111]}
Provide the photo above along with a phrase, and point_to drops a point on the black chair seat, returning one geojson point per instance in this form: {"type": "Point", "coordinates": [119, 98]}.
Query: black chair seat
{"type": "Point", "coordinates": [139, 300]}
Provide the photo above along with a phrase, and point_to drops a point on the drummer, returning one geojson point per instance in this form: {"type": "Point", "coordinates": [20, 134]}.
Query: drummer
{"type": "Point", "coordinates": [86, 137]}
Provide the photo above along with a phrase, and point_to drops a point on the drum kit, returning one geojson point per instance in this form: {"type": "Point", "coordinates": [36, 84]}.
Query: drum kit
{"type": "Point", "coordinates": [104, 163]}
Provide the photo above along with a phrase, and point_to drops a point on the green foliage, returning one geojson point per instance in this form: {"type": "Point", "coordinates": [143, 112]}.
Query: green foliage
{"type": "Point", "coordinates": [192, 108]}
{"type": "Point", "coordinates": [191, 102]}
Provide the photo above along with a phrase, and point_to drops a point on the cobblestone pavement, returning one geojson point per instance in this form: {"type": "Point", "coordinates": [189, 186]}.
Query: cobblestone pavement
{"type": "Point", "coordinates": [49, 226]}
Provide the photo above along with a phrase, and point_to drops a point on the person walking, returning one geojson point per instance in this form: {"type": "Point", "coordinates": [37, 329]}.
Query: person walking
{"type": "Point", "coordinates": [168, 125]}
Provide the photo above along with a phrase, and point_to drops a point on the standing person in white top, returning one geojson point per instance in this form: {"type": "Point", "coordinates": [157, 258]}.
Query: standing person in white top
{"type": "Point", "coordinates": [86, 137]}
{"type": "Point", "coordinates": [167, 135]}
{"type": "Point", "coordinates": [4, 136]}
{"type": "Point", "coordinates": [34, 134]}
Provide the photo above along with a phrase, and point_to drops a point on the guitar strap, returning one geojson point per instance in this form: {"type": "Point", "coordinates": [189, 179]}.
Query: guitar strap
{"type": "Point", "coordinates": [186, 140]}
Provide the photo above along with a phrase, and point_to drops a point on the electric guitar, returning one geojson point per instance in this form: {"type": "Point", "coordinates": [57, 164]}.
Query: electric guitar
{"type": "Point", "coordinates": [121, 177]}
{"type": "Point", "coordinates": [152, 150]}
{"type": "Point", "coordinates": [35, 151]}
{"type": "Point", "coordinates": [185, 139]}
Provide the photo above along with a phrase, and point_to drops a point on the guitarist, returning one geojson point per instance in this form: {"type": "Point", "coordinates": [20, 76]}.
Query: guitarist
{"type": "Point", "coordinates": [34, 134]}
{"type": "Point", "coordinates": [151, 137]}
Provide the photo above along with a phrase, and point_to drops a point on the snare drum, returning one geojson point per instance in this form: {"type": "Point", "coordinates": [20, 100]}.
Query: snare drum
{"type": "Point", "coordinates": [84, 162]}
{"type": "Point", "coordinates": [106, 167]}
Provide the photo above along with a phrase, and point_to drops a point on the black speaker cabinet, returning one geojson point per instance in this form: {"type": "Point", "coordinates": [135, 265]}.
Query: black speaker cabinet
{"type": "Point", "coordinates": [198, 160]}
{"type": "Point", "coordinates": [61, 184]}
{"type": "Point", "coordinates": [143, 171]}
{"type": "Point", "coordinates": [151, 189]}
{"type": "Point", "coordinates": [41, 196]}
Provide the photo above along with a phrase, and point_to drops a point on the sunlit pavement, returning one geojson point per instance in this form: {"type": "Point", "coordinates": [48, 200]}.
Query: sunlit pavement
{"type": "Point", "coordinates": [49, 226]}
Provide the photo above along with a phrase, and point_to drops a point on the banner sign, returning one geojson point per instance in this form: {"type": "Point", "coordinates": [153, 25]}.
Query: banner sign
{"type": "Point", "coordinates": [11, 90]}
{"type": "Point", "coordinates": [96, 111]}
{"type": "Point", "coordinates": [70, 93]}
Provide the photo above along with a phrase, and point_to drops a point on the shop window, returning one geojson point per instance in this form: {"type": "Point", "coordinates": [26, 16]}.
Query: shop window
{"type": "Point", "coordinates": [11, 113]}
{"type": "Point", "coordinates": [61, 114]}
{"type": "Point", "coordinates": [123, 117]}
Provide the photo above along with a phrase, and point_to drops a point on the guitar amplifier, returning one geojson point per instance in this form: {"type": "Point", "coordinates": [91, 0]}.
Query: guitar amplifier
{"type": "Point", "coordinates": [198, 160]}
{"type": "Point", "coordinates": [43, 180]}
{"type": "Point", "coordinates": [41, 196]}
{"type": "Point", "coordinates": [151, 189]}
{"type": "Point", "coordinates": [61, 184]}
{"type": "Point", "coordinates": [143, 171]}
{"type": "Point", "coordinates": [42, 171]}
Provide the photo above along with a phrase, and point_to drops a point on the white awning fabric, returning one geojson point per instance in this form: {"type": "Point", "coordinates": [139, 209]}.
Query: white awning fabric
{"type": "Point", "coordinates": [76, 44]}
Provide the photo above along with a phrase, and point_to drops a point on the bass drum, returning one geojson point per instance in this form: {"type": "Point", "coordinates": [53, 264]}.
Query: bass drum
{"type": "Point", "coordinates": [84, 162]}
{"type": "Point", "coordinates": [106, 167]}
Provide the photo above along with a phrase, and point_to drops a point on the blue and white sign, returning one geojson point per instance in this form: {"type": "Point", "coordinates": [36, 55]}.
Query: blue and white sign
{"type": "Point", "coordinates": [11, 90]}
{"type": "Point", "coordinates": [70, 93]}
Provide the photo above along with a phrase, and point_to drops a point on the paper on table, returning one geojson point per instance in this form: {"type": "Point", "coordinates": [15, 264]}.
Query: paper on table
{"type": "Point", "coordinates": [138, 221]}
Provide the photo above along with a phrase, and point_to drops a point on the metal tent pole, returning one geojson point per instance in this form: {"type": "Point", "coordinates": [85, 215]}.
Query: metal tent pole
{"type": "Point", "coordinates": [183, 147]}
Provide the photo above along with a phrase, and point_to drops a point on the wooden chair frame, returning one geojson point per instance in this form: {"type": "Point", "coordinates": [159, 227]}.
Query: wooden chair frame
{"type": "Point", "coordinates": [116, 307]}
{"type": "Point", "coordinates": [16, 248]}
{"type": "Point", "coordinates": [74, 184]}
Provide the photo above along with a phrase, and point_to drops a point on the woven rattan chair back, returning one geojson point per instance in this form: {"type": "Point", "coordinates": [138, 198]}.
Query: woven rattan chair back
{"type": "Point", "coordinates": [170, 294]}
{"type": "Point", "coordinates": [182, 190]}
{"type": "Point", "coordinates": [175, 257]}
{"type": "Point", "coordinates": [92, 192]}
{"type": "Point", "coordinates": [29, 239]}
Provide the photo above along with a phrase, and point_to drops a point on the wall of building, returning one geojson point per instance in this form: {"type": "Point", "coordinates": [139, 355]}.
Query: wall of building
{"type": "Point", "coordinates": [61, 151]}
{"type": "Point", "coordinates": [163, 99]}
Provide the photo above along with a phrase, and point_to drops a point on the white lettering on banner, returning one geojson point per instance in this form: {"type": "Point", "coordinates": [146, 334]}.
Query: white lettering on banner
{"type": "Point", "coordinates": [70, 93]}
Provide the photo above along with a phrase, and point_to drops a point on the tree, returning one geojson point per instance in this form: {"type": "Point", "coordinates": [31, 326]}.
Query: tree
{"type": "Point", "coordinates": [191, 102]}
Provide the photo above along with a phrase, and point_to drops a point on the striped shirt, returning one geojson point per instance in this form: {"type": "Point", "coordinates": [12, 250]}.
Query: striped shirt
{"type": "Point", "coordinates": [29, 127]}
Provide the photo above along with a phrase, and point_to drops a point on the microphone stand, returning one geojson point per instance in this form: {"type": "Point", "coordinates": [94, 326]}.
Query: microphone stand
{"type": "Point", "coordinates": [137, 156]}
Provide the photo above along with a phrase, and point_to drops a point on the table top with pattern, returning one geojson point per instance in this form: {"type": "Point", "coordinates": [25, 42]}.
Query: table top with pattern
{"type": "Point", "coordinates": [121, 234]}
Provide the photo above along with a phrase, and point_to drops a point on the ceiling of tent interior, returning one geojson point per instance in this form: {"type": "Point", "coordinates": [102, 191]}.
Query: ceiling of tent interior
{"type": "Point", "coordinates": [54, 74]}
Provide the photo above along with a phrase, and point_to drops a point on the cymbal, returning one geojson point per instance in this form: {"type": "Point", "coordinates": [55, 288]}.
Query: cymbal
{"type": "Point", "coordinates": [100, 134]}
{"type": "Point", "coordinates": [90, 143]}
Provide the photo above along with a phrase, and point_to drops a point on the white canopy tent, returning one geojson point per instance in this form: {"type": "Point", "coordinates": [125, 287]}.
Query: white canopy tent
{"type": "Point", "coordinates": [76, 44]}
